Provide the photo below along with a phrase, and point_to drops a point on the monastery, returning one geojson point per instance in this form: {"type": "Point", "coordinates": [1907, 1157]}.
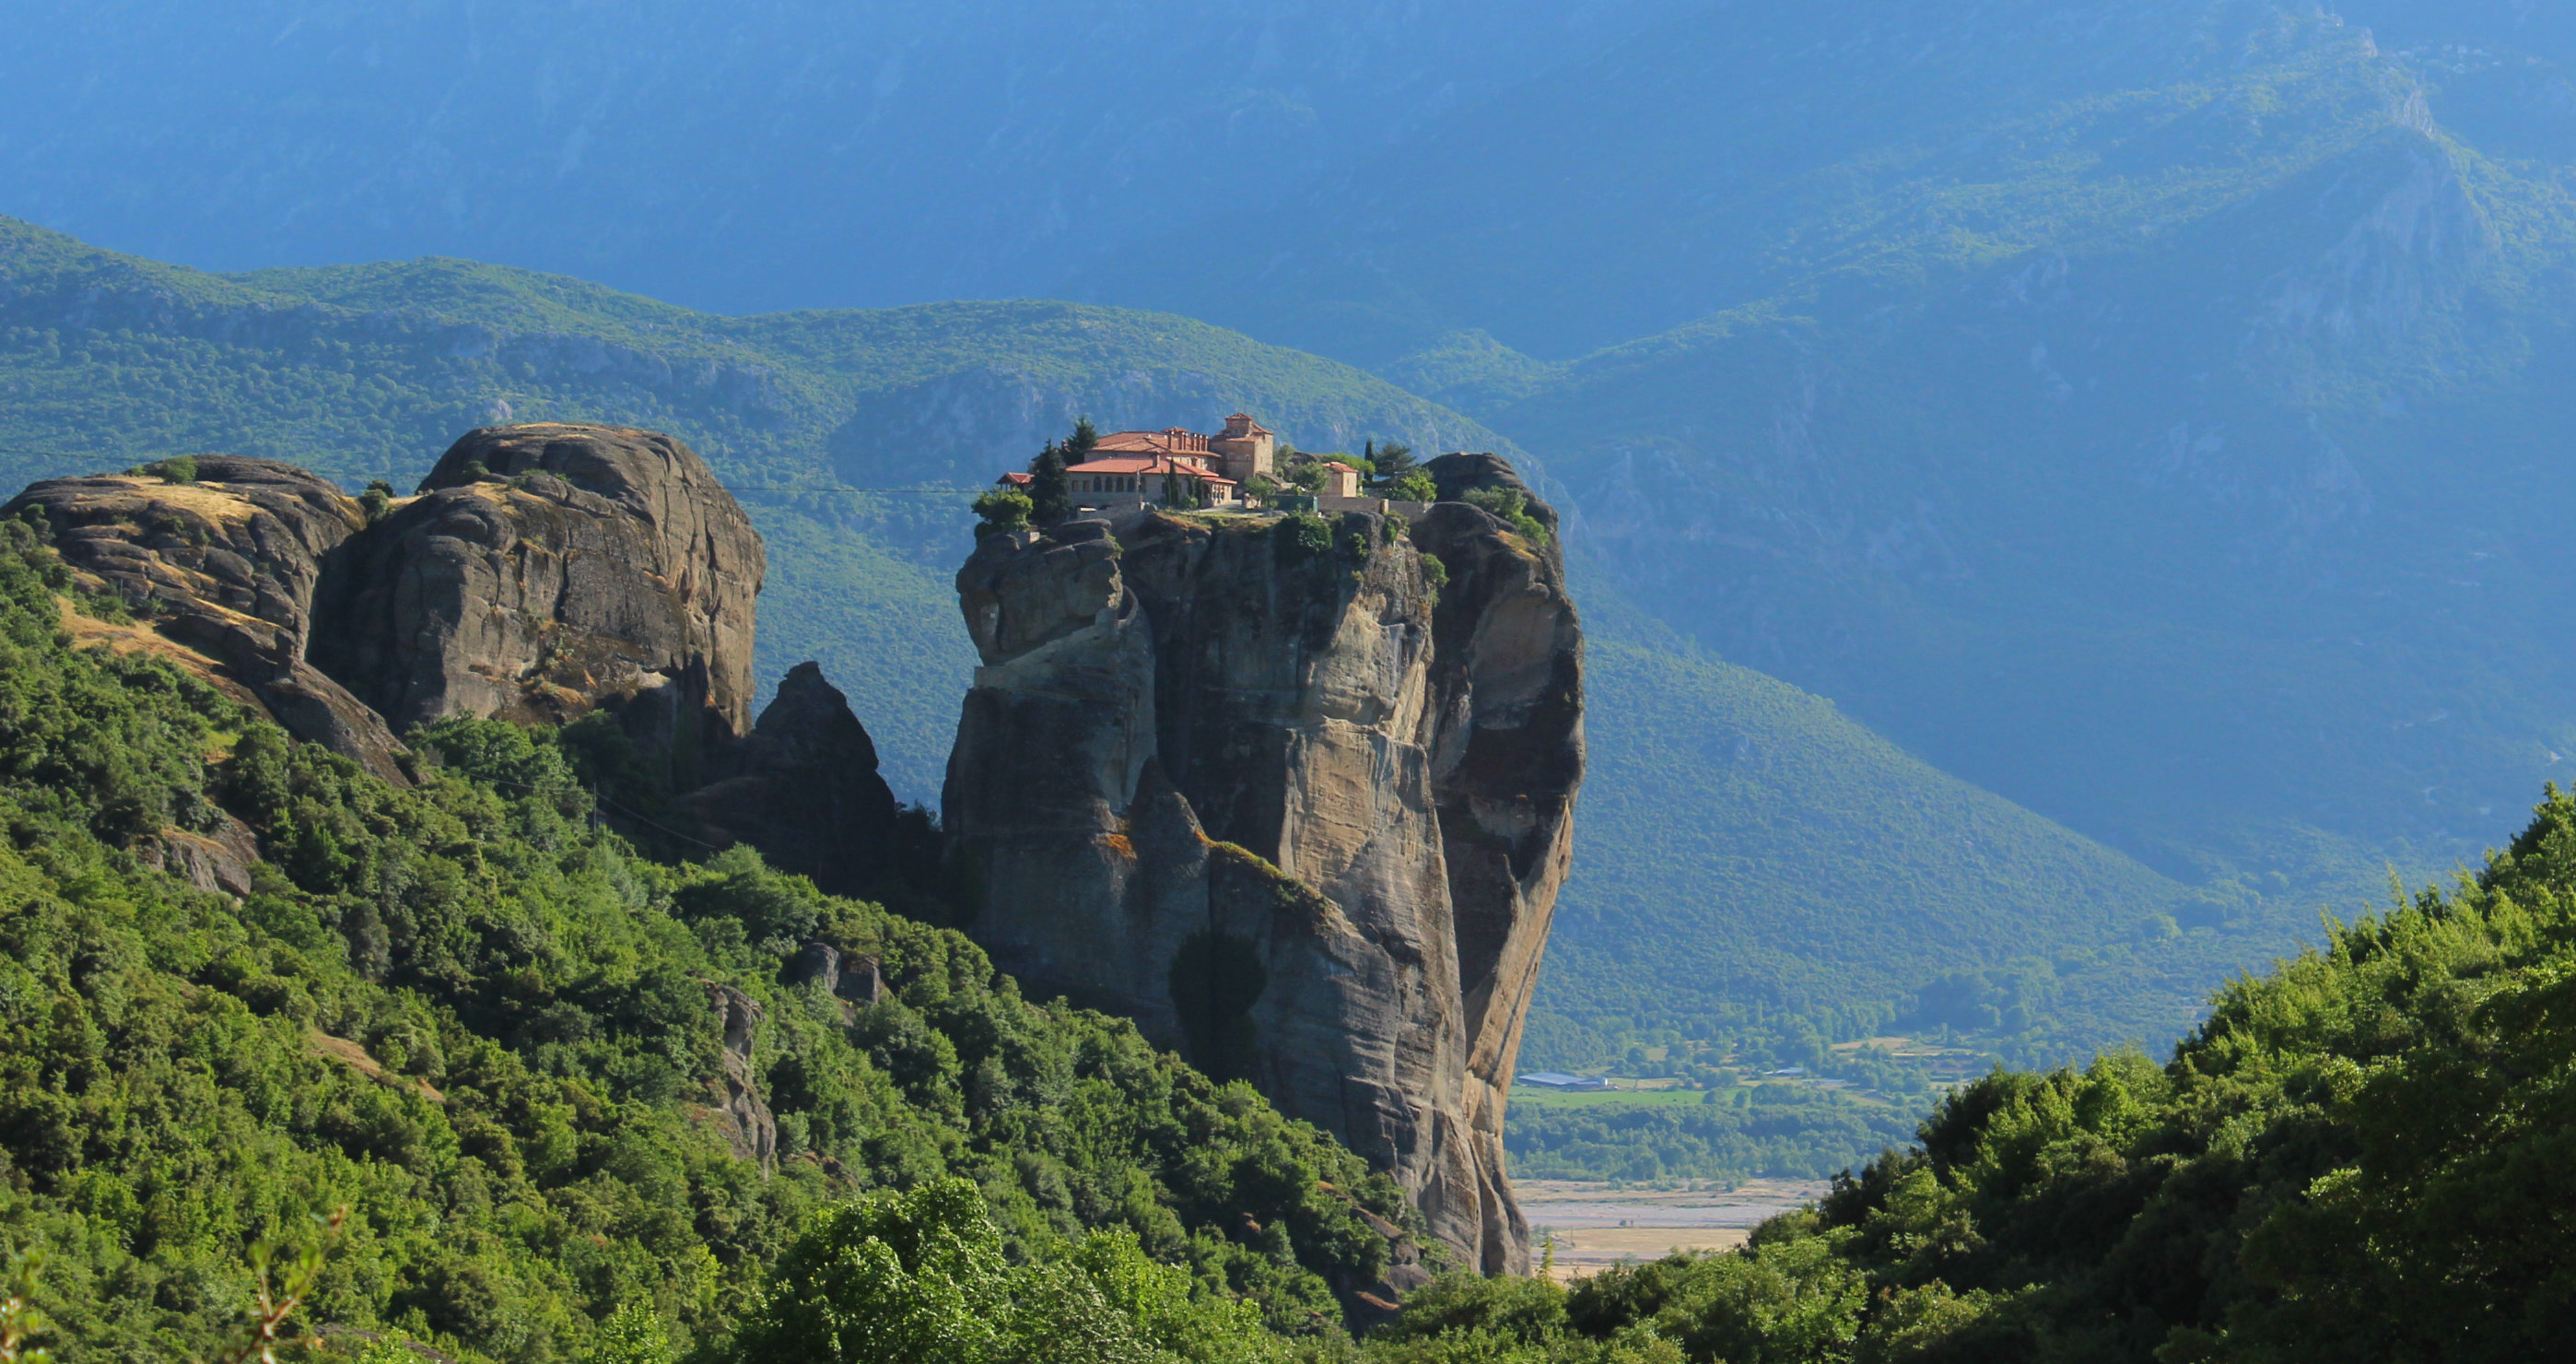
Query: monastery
{"type": "Point", "coordinates": [1171, 467]}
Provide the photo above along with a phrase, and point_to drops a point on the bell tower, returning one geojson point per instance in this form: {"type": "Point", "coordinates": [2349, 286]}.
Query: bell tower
{"type": "Point", "coordinates": [1247, 448]}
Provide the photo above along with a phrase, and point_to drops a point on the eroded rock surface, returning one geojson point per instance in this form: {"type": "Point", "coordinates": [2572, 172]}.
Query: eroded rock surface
{"type": "Point", "coordinates": [740, 1115]}
{"type": "Point", "coordinates": [544, 571]}
{"type": "Point", "coordinates": [227, 568]}
{"type": "Point", "coordinates": [1296, 810]}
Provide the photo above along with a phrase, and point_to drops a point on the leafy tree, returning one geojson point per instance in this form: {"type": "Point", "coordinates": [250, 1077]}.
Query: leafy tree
{"type": "Point", "coordinates": [1078, 445]}
{"type": "Point", "coordinates": [922, 1276]}
{"type": "Point", "coordinates": [917, 1276]}
{"type": "Point", "coordinates": [1414, 486]}
{"type": "Point", "coordinates": [1392, 464]}
{"type": "Point", "coordinates": [1303, 535]}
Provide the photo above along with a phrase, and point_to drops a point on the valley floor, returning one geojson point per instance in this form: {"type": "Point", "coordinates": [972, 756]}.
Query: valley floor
{"type": "Point", "coordinates": [1594, 1226]}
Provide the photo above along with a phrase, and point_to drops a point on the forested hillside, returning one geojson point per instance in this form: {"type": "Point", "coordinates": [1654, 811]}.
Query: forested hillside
{"type": "Point", "coordinates": [2356, 1156]}
{"type": "Point", "coordinates": [519, 1053]}
{"type": "Point", "coordinates": [513, 1050]}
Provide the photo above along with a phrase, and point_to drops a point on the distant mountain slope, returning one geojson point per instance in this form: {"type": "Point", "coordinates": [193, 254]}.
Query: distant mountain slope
{"type": "Point", "coordinates": [738, 157]}
{"type": "Point", "coordinates": [1750, 853]}
{"type": "Point", "coordinates": [2150, 410]}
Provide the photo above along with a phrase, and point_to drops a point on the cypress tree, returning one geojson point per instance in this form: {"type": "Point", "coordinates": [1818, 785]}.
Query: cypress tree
{"type": "Point", "coordinates": [1050, 488]}
{"type": "Point", "coordinates": [1077, 447]}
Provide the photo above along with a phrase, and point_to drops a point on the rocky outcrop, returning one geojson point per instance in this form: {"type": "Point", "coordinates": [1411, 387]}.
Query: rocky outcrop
{"type": "Point", "coordinates": [741, 1117]}
{"type": "Point", "coordinates": [544, 571]}
{"type": "Point", "coordinates": [548, 570]}
{"type": "Point", "coordinates": [855, 979]}
{"type": "Point", "coordinates": [226, 567]}
{"type": "Point", "coordinates": [1271, 789]}
{"type": "Point", "coordinates": [218, 861]}
{"type": "Point", "coordinates": [804, 789]}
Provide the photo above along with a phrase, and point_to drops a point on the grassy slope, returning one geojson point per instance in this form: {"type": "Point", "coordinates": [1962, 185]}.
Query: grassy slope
{"type": "Point", "coordinates": [368, 371]}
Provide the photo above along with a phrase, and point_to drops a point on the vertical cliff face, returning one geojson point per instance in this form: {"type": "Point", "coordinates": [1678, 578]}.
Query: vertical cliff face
{"type": "Point", "coordinates": [549, 569]}
{"type": "Point", "coordinates": [1277, 792]}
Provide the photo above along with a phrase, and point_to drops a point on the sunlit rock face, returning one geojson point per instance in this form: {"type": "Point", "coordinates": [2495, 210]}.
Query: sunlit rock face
{"type": "Point", "coordinates": [222, 571]}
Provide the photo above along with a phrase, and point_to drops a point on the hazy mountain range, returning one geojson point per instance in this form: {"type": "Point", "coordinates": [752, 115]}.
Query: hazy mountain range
{"type": "Point", "coordinates": [2144, 410]}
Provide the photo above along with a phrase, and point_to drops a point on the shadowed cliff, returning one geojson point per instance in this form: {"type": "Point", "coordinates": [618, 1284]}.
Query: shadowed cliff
{"type": "Point", "coordinates": [1294, 794]}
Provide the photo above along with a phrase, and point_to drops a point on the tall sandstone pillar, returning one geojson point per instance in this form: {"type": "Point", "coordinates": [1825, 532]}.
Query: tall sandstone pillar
{"type": "Point", "coordinates": [1300, 809]}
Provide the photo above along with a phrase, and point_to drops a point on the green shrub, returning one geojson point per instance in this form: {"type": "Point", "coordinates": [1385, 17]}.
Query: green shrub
{"type": "Point", "coordinates": [175, 469]}
{"type": "Point", "coordinates": [923, 1276]}
{"type": "Point", "coordinates": [1002, 511]}
{"type": "Point", "coordinates": [1414, 486]}
{"type": "Point", "coordinates": [1303, 535]}
{"type": "Point", "coordinates": [1436, 573]}
{"type": "Point", "coordinates": [1511, 506]}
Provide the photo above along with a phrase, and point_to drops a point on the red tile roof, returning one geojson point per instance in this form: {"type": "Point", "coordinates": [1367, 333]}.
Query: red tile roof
{"type": "Point", "coordinates": [1145, 466]}
{"type": "Point", "coordinates": [1171, 440]}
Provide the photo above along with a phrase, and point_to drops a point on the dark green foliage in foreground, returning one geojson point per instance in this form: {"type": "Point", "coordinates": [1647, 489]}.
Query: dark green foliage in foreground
{"type": "Point", "coordinates": [526, 1139]}
{"type": "Point", "coordinates": [923, 1277]}
{"type": "Point", "coordinates": [2364, 1155]}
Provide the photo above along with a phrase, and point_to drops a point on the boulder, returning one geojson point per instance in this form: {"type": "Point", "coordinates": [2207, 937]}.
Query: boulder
{"type": "Point", "coordinates": [217, 861]}
{"type": "Point", "coordinates": [741, 1116]}
{"type": "Point", "coordinates": [548, 570]}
